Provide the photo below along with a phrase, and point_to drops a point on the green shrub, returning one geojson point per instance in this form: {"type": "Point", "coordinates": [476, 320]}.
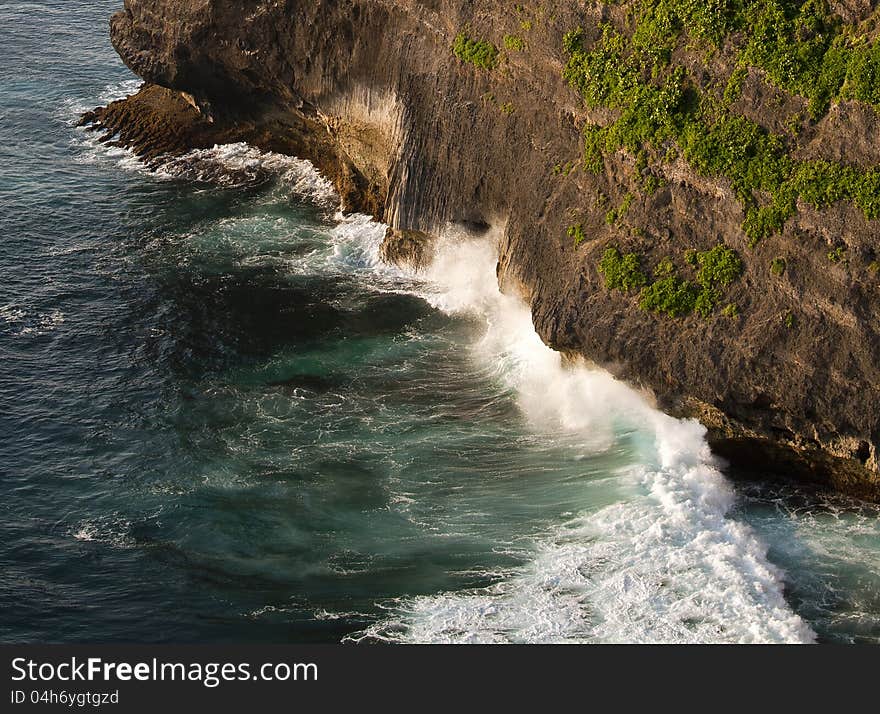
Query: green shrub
{"type": "Point", "coordinates": [664, 268]}
{"type": "Point", "coordinates": [480, 53]}
{"type": "Point", "coordinates": [674, 296]}
{"type": "Point", "coordinates": [594, 145]}
{"type": "Point", "coordinates": [794, 124]}
{"type": "Point", "coordinates": [577, 232]}
{"type": "Point", "coordinates": [777, 266]}
{"type": "Point", "coordinates": [650, 184]}
{"type": "Point", "coordinates": [837, 255]}
{"type": "Point", "coordinates": [670, 295]}
{"type": "Point", "coordinates": [762, 222]}
{"type": "Point", "coordinates": [733, 90]}
{"type": "Point", "coordinates": [736, 148]}
{"type": "Point", "coordinates": [796, 47]}
{"type": "Point", "coordinates": [621, 272]}
{"type": "Point", "coordinates": [821, 183]}
{"type": "Point", "coordinates": [612, 216]}
{"type": "Point", "coordinates": [863, 74]}
{"type": "Point", "coordinates": [572, 41]}
{"type": "Point", "coordinates": [719, 267]}
{"type": "Point", "coordinates": [868, 195]}
{"type": "Point", "coordinates": [514, 43]}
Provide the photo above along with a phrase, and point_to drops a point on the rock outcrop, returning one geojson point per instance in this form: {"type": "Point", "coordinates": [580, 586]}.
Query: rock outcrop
{"type": "Point", "coordinates": [372, 92]}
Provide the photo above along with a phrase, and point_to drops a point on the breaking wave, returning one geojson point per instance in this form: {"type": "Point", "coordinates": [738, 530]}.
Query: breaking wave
{"type": "Point", "coordinates": [667, 564]}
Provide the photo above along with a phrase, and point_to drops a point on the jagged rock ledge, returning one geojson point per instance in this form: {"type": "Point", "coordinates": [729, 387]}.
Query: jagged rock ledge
{"type": "Point", "coordinates": [158, 122]}
{"type": "Point", "coordinates": [371, 92]}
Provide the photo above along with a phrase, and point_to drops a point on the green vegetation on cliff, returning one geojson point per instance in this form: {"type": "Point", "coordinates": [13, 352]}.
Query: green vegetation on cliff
{"type": "Point", "coordinates": [669, 293]}
{"type": "Point", "coordinates": [622, 272]}
{"type": "Point", "coordinates": [480, 53]}
{"type": "Point", "coordinates": [514, 43]}
{"type": "Point", "coordinates": [802, 46]}
{"type": "Point", "coordinates": [577, 233]}
{"type": "Point", "coordinates": [662, 110]}
{"type": "Point", "coordinates": [615, 214]}
{"type": "Point", "coordinates": [777, 266]}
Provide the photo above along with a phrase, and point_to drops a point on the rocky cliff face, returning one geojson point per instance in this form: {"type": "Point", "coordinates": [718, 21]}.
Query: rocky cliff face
{"type": "Point", "coordinates": [430, 112]}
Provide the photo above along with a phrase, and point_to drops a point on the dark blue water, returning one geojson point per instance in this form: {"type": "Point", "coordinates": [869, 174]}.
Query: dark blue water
{"type": "Point", "coordinates": [221, 418]}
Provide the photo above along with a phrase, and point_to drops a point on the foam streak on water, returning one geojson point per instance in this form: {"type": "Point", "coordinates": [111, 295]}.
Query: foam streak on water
{"type": "Point", "coordinates": [665, 565]}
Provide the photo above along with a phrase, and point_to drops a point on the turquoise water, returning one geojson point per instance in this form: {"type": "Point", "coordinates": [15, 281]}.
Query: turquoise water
{"type": "Point", "coordinates": [224, 419]}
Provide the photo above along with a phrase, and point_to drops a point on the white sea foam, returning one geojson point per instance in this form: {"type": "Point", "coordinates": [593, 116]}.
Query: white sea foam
{"type": "Point", "coordinates": [20, 322]}
{"type": "Point", "coordinates": [86, 143]}
{"type": "Point", "coordinates": [665, 565]}
{"type": "Point", "coordinates": [109, 530]}
{"type": "Point", "coordinates": [328, 615]}
{"type": "Point", "coordinates": [270, 610]}
{"type": "Point", "coordinates": [356, 240]}
{"type": "Point", "coordinates": [12, 314]}
{"type": "Point", "coordinates": [241, 164]}
{"type": "Point", "coordinates": [119, 90]}
{"type": "Point", "coordinates": [73, 108]}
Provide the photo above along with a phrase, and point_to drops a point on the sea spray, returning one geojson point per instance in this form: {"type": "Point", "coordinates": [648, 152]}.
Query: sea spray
{"type": "Point", "coordinates": [667, 564]}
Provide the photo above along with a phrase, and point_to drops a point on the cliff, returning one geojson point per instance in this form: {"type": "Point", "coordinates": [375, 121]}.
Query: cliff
{"type": "Point", "coordinates": [688, 192]}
